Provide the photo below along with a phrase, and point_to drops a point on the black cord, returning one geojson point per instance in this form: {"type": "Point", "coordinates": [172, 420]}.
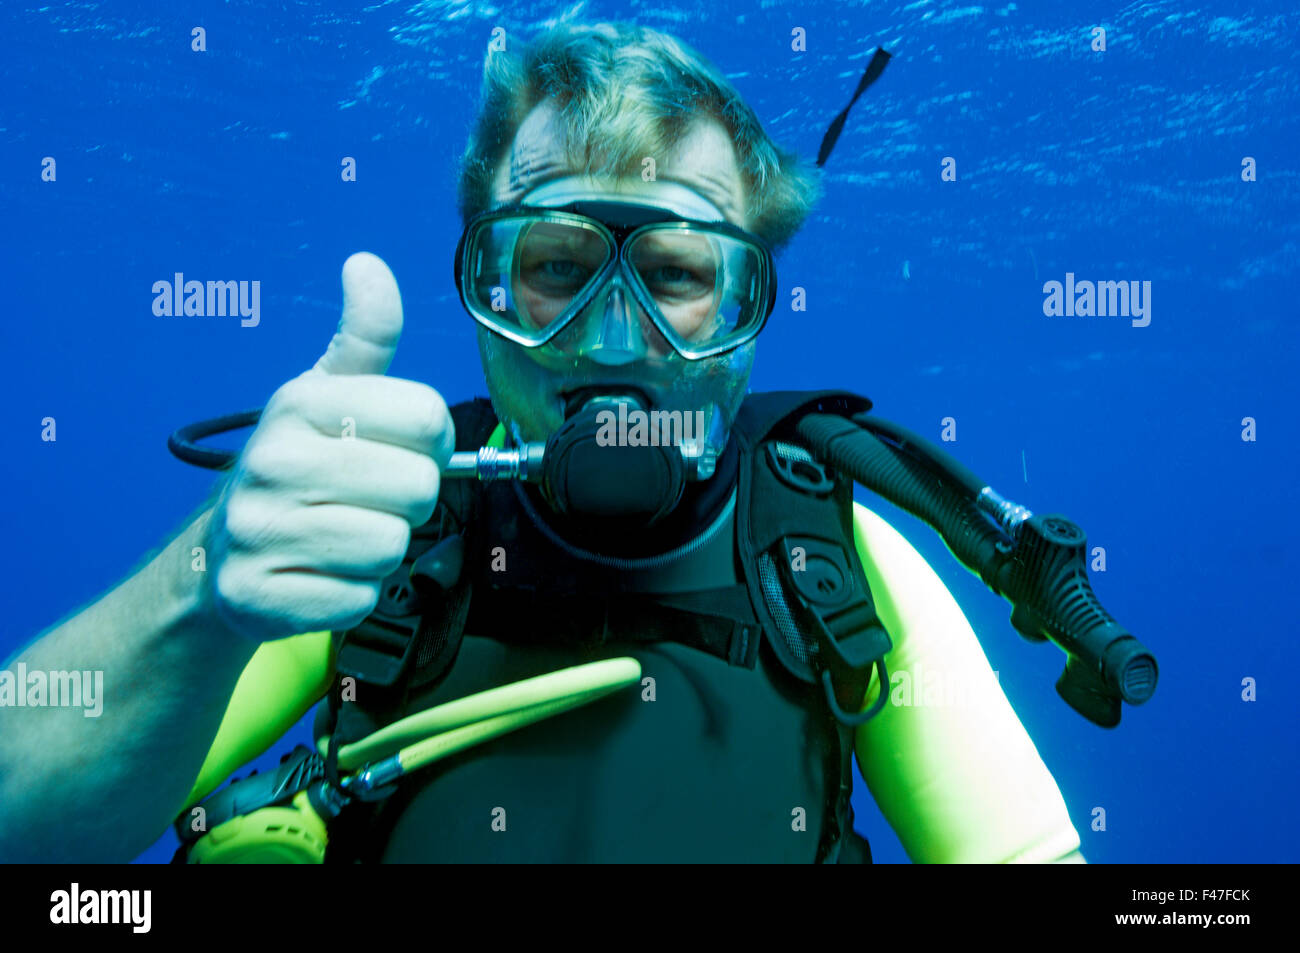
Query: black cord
{"type": "Point", "coordinates": [184, 442]}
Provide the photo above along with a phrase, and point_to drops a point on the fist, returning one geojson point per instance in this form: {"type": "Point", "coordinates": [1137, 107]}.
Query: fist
{"type": "Point", "coordinates": [344, 462]}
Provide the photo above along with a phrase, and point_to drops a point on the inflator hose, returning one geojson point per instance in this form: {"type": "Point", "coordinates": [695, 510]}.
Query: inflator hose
{"type": "Point", "coordinates": [1041, 569]}
{"type": "Point", "coordinates": [946, 464]}
{"type": "Point", "coordinates": [906, 483]}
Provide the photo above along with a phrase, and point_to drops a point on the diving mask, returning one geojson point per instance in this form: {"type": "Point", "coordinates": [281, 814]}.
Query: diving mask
{"type": "Point", "coordinates": [615, 281]}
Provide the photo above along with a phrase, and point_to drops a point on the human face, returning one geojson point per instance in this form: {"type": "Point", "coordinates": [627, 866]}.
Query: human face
{"type": "Point", "coordinates": [699, 180]}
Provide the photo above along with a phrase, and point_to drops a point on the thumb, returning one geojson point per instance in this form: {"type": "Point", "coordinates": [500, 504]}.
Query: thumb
{"type": "Point", "coordinates": [367, 336]}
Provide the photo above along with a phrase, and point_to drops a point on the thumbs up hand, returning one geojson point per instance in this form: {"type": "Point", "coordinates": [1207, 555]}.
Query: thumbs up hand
{"type": "Point", "coordinates": [344, 462]}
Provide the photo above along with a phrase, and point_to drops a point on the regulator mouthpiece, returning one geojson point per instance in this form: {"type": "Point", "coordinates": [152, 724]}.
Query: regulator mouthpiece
{"type": "Point", "coordinates": [591, 469]}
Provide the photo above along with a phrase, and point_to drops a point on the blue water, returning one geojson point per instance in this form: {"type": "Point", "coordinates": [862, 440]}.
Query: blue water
{"type": "Point", "coordinates": [925, 294]}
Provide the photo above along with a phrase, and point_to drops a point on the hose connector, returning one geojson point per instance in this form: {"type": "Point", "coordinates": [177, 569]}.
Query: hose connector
{"type": "Point", "coordinates": [493, 463]}
{"type": "Point", "coordinates": [374, 781]}
{"type": "Point", "coordinates": [1005, 513]}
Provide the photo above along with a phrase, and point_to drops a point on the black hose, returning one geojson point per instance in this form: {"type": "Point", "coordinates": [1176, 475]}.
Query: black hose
{"type": "Point", "coordinates": [947, 465]}
{"type": "Point", "coordinates": [909, 484]}
{"type": "Point", "coordinates": [184, 442]}
{"type": "Point", "coordinates": [1042, 572]}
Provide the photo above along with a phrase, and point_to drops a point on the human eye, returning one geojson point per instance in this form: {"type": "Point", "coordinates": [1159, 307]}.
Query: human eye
{"type": "Point", "coordinates": [676, 279]}
{"type": "Point", "coordinates": [671, 275]}
{"type": "Point", "coordinates": [556, 274]}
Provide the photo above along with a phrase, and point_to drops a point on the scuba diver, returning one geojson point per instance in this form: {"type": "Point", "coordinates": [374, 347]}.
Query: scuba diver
{"type": "Point", "coordinates": [624, 611]}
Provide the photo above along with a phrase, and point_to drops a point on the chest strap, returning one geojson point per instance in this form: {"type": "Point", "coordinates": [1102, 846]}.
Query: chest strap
{"type": "Point", "coordinates": [718, 622]}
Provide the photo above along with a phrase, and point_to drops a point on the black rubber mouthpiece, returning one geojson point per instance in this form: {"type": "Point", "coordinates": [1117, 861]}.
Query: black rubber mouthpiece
{"type": "Point", "coordinates": [591, 469]}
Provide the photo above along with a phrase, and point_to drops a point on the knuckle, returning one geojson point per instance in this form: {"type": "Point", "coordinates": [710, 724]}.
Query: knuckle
{"type": "Point", "coordinates": [246, 523]}
{"type": "Point", "coordinates": [433, 419]}
{"type": "Point", "coordinates": [426, 480]}
{"type": "Point", "coordinates": [255, 461]}
{"type": "Point", "coordinates": [446, 438]}
{"type": "Point", "coordinates": [356, 602]}
{"type": "Point", "coordinates": [386, 540]}
{"type": "Point", "coordinates": [395, 539]}
{"type": "Point", "coordinates": [367, 600]}
{"type": "Point", "coordinates": [231, 585]}
{"type": "Point", "coordinates": [292, 398]}
{"type": "Point", "coordinates": [267, 461]}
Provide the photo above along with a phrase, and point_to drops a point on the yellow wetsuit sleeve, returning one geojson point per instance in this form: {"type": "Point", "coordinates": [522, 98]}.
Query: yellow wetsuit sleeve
{"type": "Point", "coordinates": [947, 760]}
{"type": "Point", "coordinates": [281, 681]}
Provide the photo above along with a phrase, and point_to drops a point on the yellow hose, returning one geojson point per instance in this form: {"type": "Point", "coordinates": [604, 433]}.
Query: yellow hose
{"type": "Point", "coordinates": [439, 746]}
{"type": "Point", "coordinates": [467, 721]}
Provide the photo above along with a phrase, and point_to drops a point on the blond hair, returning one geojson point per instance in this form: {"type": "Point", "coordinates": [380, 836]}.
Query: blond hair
{"type": "Point", "coordinates": [624, 92]}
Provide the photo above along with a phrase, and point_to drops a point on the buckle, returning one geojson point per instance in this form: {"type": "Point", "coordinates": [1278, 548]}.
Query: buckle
{"type": "Point", "coordinates": [849, 637]}
{"type": "Point", "coordinates": [796, 468]}
{"type": "Point", "coordinates": [378, 650]}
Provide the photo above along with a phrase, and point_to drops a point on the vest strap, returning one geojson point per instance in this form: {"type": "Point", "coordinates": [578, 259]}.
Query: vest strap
{"type": "Point", "coordinates": [795, 534]}
{"type": "Point", "coordinates": [718, 622]}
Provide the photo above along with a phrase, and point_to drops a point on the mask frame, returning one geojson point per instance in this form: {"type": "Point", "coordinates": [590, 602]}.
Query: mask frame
{"type": "Point", "coordinates": [619, 224]}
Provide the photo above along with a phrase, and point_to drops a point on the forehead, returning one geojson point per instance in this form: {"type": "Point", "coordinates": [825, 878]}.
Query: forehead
{"type": "Point", "coordinates": [703, 160]}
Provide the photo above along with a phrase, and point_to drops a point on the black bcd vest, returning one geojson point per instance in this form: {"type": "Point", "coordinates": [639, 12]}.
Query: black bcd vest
{"type": "Point", "coordinates": [803, 593]}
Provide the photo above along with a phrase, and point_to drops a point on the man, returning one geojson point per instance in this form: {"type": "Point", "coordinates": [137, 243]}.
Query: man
{"type": "Point", "coordinates": [621, 203]}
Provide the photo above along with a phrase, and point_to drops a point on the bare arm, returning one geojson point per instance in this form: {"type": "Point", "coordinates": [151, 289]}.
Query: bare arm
{"type": "Point", "coordinates": [102, 788]}
{"type": "Point", "coordinates": [316, 513]}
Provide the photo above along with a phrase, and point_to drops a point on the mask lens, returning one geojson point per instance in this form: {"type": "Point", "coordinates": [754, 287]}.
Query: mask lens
{"type": "Point", "coordinates": [710, 288]}
{"type": "Point", "coordinates": [523, 273]}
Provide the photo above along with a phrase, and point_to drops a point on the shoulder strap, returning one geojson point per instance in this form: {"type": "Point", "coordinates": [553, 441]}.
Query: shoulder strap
{"type": "Point", "coordinates": [808, 587]}
{"type": "Point", "coordinates": [775, 413]}
{"type": "Point", "coordinates": [795, 541]}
